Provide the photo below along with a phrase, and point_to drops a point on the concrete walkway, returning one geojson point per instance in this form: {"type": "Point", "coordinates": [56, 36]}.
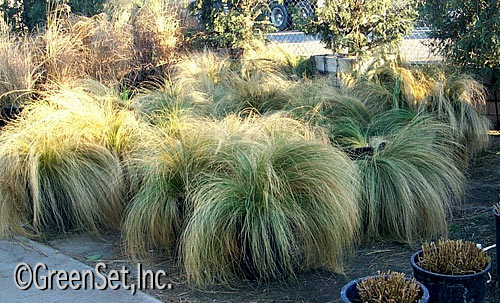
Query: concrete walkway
{"type": "Point", "coordinates": [21, 250]}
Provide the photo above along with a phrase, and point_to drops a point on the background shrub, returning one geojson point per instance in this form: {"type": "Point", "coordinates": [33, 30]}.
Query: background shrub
{"type": "Point", "coordinates": [357, 27]}
{"type": "Point", "coordinates": [230, 24]}
{"type": "Point", "coordinates": [465, 32]}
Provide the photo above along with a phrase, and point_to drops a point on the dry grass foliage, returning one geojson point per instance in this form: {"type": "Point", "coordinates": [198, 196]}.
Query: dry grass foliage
{"type": "Point", "coordinates": [410, 180]}
{"type": "Point", "coordinates": [156, 29]}
{"type": "Point", "coordinates": [390, 287]}
{"type": "Point", "coordinates": [18, 70]}
{"type": "Point", "coordinates": [72, 47]}
{"type": "Point", "coordinates": [269, 57]}
{"type": "Point", "coordinates": [284, 201]}
{"type": "Point", "coordinates": [59, 48]}
{"type": "Point", "coordinates": [123, 42]}
{"type": "Point", "coordinates": [453, 257]}
{"type": "Point", "coordinates": [108, 53]}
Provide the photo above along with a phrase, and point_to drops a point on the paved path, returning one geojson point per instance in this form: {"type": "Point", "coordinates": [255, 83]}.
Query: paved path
{"type": "Point", "coordinates": [17, 250]}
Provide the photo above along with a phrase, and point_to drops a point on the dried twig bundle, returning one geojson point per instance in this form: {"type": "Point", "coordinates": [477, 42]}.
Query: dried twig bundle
{"type": "Point", "coordinates": [390, 287]}
{"type": "Point", "coordinates": [453, 257]}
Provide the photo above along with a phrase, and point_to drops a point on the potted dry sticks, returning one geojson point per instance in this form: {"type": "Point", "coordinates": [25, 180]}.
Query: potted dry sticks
{"type": "Point", "coordinates": [384, 287]}
{"type": "Point", "coordinates": [452, 271]}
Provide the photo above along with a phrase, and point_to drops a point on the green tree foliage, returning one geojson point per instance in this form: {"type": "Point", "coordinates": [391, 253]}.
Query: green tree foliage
{"type": "Point", "coordinates": [230, 23]}
{"type": "Point", "coordinates": [361, 26]}
{"type": "Point", "coordinates": [27, 14]}
{"type": "Point", "coordinates": [467, 32]}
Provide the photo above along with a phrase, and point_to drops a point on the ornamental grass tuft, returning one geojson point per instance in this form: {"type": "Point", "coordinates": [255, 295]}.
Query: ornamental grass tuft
{"type": "Point", "coordinates": [255, 197]}
{"type": "Point", "coordinates": [409, 162]}
{"type": "Point", "coordinates": [18, 71]}
{"type": "Point", "coordinates": [285, 202]}
{"type": "Point", "coordinates": [61, 163]}
{"type": "Point", "coordinates": [408, 170]}
{"type": "Point", "coordinates": [203, 73]}
{"type": "Point", "coordinates": [453, 98]}
{"type": "Point", "coordinates": [258, 91]}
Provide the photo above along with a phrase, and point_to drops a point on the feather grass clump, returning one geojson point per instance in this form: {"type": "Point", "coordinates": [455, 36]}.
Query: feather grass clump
{"type": "Point", "coordinates": [453, 257]}
{"type": "Point", "coordinates": [409, 178]}
{"type": "Point", "coordinates": [283, 202]}
{"type": "Point", "coordinates": [459, 100]}
{"type": "Point", "coordinates": [163, 100]}
{"type": "Point", "coordinates": [257, 197]}
{"type": "Point", "coordinates": [203, 73]}
{"type": "Point", "coordinates": [453, 98]}
{"type": "Point", "coordinates": [186, 146]}
{"type": "Point", "coordinates": [233, 86]}
{"type": "Point", "coordinates": [270, 57]}
{"type": "Point", "coordinates": [255, 91]}
{"type": "Point", "coordinates": [318, 103]}
{"type": "Point", "coordinates": [393, 86]}
{"type": "Point", "coordinates": [61, 163]}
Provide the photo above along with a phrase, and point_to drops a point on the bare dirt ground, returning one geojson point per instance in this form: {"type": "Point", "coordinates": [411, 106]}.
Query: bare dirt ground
{"type": "Point", "coordinates": [473, 220]}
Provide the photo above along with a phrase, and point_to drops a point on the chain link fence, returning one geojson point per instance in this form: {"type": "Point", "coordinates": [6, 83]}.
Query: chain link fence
{"type": "Point", "coordinates": [413, 48]}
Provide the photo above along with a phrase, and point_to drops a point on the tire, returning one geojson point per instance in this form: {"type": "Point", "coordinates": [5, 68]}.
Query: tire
{"type": "Point", "coordinates": [278, 16]}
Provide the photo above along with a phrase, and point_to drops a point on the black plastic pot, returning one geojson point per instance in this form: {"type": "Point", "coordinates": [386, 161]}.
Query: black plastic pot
{"type": "Point", "coordinates": [360, 152]}
{"type": "Point", "coordinates": [349, 293]}
{"type": "Point", "coordinates": [497, 219]}
{"type": "Point", "coordinates": [356, 153]}
{"type": "Point", "coordinates": [452, 288]}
